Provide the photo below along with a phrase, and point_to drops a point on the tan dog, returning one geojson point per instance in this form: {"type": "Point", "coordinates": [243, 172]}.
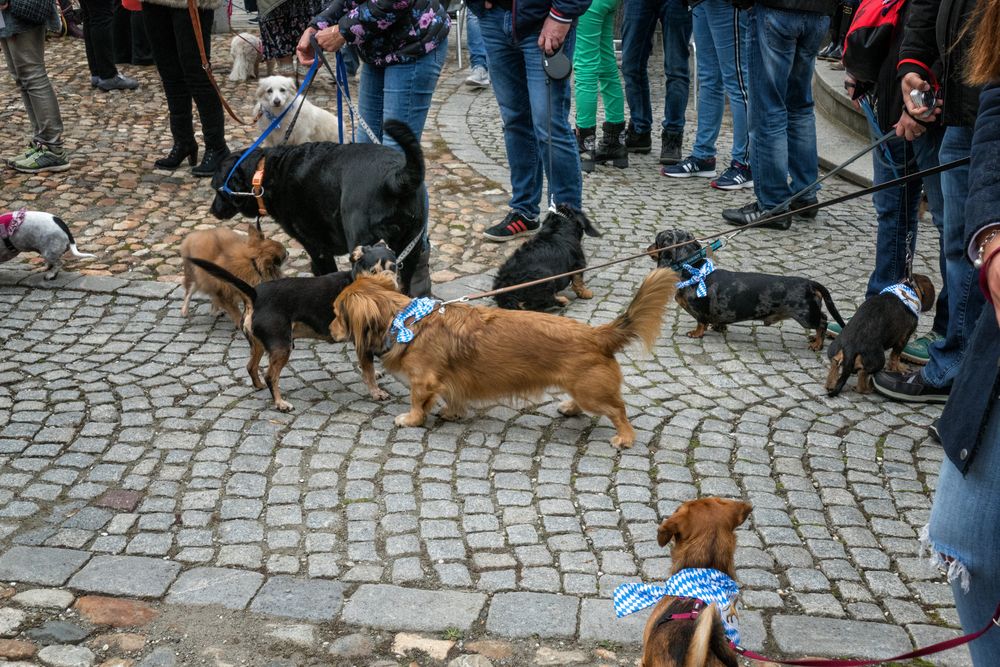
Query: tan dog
{"type": "Point", "coordinates": [466, 354]}
{"type": "Point", "coordinates": [252, 259]}
{"type": "Point", "coordinates": [704, 537]}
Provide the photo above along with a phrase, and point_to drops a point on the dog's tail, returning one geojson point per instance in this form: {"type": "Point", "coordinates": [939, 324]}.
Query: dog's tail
{"type": "Point", "coordinates": [828, 300]}
{"type": "Point", "coordinates": [709, 641]}
{"type": "Point", "coordinates": [411, 175]}
{"type": "Point", "coordinates": [222, 274]}
{"type": "Point", "coordinates": [69, 235]}
{"type": "Point", "coordinates": [643, 317]}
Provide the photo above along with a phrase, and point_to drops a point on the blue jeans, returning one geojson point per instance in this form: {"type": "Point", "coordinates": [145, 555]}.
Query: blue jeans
{"type": "Point", "coordinates": [474, 36]}
{"type": "Point", "coordinates": [896, 210]}
{"type": "Point", "coordinates": [402, 92]}
{"type": "Point", "coordinates": [722, 35]}
{"type": "Point", "coordinates": [638, 28]}
{"type": "Point", "coordinates": [965, 301]}
{"type": "Point", "coordinates": [783, 47]}
{"type": "Point", "coordinates": [522, 90]}
{"type": "Point", "coordinates": [965, 526]}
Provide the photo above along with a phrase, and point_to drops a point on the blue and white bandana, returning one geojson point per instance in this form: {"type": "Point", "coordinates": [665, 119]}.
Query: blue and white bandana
{"type": "Point", "coordinates": [697, 277]}
{"type": "Point", "coordinates": [704, 584]}
{"type": "Point", "coordinates": [906, 294]}
{"type": "Point", "coordinates": [417, 309]}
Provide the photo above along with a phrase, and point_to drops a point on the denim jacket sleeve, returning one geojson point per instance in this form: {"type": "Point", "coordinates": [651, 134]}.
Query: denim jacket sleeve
{"type": "Point", "coordinates": [983, 206]}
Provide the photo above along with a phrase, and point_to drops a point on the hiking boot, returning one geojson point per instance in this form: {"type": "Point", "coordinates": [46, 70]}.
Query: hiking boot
{"type": "Point", "coordinates": [211, 161]}
{"type": "Point", "coordinates": [751, 213]}
{"type": "Point", "coordinates": [43, 159]}
{"type": "Point", "coordinates": [918, 351]}
{"type": "Point", "coordinates": [690, 166]}
{"type": "Point", "coordinates": [736, 177]}
{"type": "Point", "coordinates": [638, 142]}
{"type": "Point", "coordinates": [909, 387]}
{"type": "Point", "coordinates": [513, 225]}
{"type": "Point", "coordinates": [612, 147]}
{"type": "Point", "coordinates": [670, 147]}
{"type": "Point", "coordinates": [478, 77]}
{"type": "Point", "coordinates": [117, 82]}
{"type": "Point", "coordinates": [586, 137]}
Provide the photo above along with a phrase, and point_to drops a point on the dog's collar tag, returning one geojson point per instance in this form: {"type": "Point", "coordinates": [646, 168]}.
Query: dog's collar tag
{"type": "Point", "coordinates": [906, 294]}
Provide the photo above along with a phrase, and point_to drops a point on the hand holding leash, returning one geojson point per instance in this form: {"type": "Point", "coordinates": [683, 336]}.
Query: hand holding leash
{"type": "Point", "coordinates": [304, 49]}
{"type": "Point", "coordinates": [552, 36]}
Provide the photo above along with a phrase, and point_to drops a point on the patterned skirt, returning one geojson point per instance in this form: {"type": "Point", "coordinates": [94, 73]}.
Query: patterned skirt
{"type": "Point", "coordinates": [281, 29]}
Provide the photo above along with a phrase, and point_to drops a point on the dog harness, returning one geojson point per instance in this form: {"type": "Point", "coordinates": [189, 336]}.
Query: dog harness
{"type": "Point", "coordinates": [906, 294]}
{"type": "Point", "coordinates": [9, 224]}
{"type": "Point", "coordinates": [697, 277]}
{"type": "Point", "coordinates": [417, 309]}
{"type": "Point", "coordinates": [700, 583]}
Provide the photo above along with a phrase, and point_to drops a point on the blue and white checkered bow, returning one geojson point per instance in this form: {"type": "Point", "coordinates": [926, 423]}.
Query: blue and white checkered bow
{"type": "Point", "coordinates": [906, 294]}
{"type": "Point", "coordinates": [417, 309]}
{"type": "Point", "coordinates": [697, 277]}
{"type": "Point", "coordinates": [701, 583]}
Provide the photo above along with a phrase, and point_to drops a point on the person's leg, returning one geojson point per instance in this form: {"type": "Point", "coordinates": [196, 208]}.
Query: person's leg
{"type": "Point", "coordinates": [142, 53]}
{"type": "Point", "coordinates": [587, 64]}
{"type": "Point", "coordinates": [730, 34]}
{"type": "Point", "coordinates": [638, 27]}
{"type": "Point", "coordinates": [163, 44]}
{"type": "Point", "coordinates": [965, 301]}
{"type": "Point", "coordinates": [711, 102]}
{"type": "Point", "coordinates": [557, 151]}
{"type": "Point", "coordinates": [371, 101]}
{"type": "Point", "coordinates": [772, 52]}
{"type": "Point", "coordinates": [407, 90]}
{"type": "Point", "coordinates": [926, 149]}
{"type": "Point", "coordinates": [195, 78]}
{"type": "Point", "coordinates": [803, 161]}
{"type": "Point", "coordinates": [509, 76]}
{"type": "Point", "coordinates": [896, 213]}
{"type": "Point", "coordinates": [26, 61]}
{"type": "Point", "coordinates": [675, 18]}
{"type": "Point", "coordinates": [611, 83]}
{"type": "Point", "coordinates": [474, 35]}
{"type": "Point", "coordinates": [98, 20]}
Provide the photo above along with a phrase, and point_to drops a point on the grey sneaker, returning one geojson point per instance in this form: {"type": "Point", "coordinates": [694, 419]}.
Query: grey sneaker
{"type": "Point", "coordinates": [478, 78]}
{"type": "Point", "coordinates": [43, 159]}
{"type": "Point", "coordinates": [24, 155]}
{"type": "Point", "coordinates": [118, 82]}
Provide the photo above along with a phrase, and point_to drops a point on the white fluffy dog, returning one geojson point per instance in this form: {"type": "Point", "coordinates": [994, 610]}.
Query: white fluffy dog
{"type": "Point", "coordinates": [274, 93]}
{"type": "Point", "coordinates": [247, 54]}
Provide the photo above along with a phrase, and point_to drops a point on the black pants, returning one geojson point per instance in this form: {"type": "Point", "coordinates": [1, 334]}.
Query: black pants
{"type": "Point", "coordinates": [131, 43]}
{"type": "Point", "coordinates": [175, 51]}
{"type": "Point", "coordinates": [98, 16]}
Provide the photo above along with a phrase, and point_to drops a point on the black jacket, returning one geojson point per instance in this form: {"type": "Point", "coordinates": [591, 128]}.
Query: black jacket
{"type": "Point", "coordinates": [827, 7]}
{"type": "Point", "coordinates": [974, 392]}
{"type": "Point", "coordinates": [929, 35]}
{"type": "Point", "coordinates": [529, 15]}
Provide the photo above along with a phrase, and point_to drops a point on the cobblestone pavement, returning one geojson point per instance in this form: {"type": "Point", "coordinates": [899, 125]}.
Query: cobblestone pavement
{"type": "Point", "coordinates": [136, 460]}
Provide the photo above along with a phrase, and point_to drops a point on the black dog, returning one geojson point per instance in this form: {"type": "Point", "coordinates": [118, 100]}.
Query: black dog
{"type": "Point", "coordinates": [279, 311]}
{"type": "Point", "coordinates": [737, 297]}
{"type": "Point", "coordinates": [882, 322]}
{"type": "Point", "coordinates": [557, 248]}
{"type": "Point", "coordinates": [334, 197]}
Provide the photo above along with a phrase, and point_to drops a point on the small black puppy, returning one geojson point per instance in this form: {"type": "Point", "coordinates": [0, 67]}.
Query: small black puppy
{"type": "Point", "coordinates": [882, 322]}
{"type": "Point", "coordinates": [737, 296]}
{"type": "Point", "coordinates": [557, 248]}
{"type": "Point", "coordinates": [279, 311]}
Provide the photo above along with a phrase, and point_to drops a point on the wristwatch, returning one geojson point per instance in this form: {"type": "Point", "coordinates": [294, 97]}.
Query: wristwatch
{"type": "Point", "coordinates": [978, 262]}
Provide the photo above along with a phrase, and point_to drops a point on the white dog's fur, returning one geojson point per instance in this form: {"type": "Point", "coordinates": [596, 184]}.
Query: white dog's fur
{"type": "Point", "coordinates": [247, 56]}
{"type": "Point", "coordinates": [45, 234]}
{"type": "Point", "coordinates": [274, 93]}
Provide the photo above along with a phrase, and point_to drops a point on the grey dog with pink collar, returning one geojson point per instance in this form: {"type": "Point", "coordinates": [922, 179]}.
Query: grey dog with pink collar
{"type": "Point", "coordinates": [42, 232]}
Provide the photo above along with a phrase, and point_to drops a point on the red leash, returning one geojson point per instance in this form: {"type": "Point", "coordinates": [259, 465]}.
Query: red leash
{"type": "Point", "coordinates": [927, 650]}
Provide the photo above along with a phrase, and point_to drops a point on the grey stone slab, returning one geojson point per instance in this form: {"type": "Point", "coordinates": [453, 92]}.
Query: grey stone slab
{"type": "Point", "coordinates": [41, 565]}
{"type": "Point", "coordinates": [97, 284]}
{"type": "Point", "coordinates": [527, 614]}
{"type": "Point", "coordinates": [806, 635]}
{"type": "Point", "coordinates": [599, 623]}
{"type": "Point", "coordinates": [215, 585]}
{"type": "Point", "coordinates": [292, 597]}
{"type": "Point", "coordinates": [398, 608]}
{"type": "Point", "coordinates": [133, 576]}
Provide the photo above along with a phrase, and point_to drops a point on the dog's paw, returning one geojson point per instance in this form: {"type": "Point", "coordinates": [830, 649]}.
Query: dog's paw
{"type": "Point", "coordinates": [378, 394]}
{"type": "Point", "coordinates": [450, 415]}
{"type": "Point", "coordinates": [816, 343]}
{"type": "Point", "coordinates": [283, 406]}
{"type": "Point", "coordinates": [696, 333]}
{"type": "Point", "coordinates": [409, 419]}
{"type": "Point", "coordinates": [257, 382]}
{"type": "Point", "coordinates": [51, 275]}
{"type": "Point", "coordinates": [621, 442]}
{"type": "Point", "coordinates": [562, 300]}
{"type": "Point", "coordinates": [569, 409]}
{"type": "Point", "coordinates": [585, 294]}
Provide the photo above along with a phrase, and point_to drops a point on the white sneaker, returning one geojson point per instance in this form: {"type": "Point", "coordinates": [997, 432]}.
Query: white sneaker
{"type": "Point", "coordinates": [478, 78]}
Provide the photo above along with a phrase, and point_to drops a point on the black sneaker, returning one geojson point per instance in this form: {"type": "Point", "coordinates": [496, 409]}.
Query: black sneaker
{"type": "Point", "coordinates": [803, 203]}
{"type": "Point", "coordinates": [932, 431]}
{"type": "Point", "coordinates": [638, 142]}
{"type": "Point", "coordinates": [909, 387]}
{"type": "Point", "coordinates": [752, 212]}
{"type": "Point", "coordinates": [670, 147]}
{"type": "Point", "coordinates": [513, 225]}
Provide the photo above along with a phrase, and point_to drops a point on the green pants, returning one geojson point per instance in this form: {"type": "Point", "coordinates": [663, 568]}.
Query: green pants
{"type": "Point", "coordinates": [594, 64]}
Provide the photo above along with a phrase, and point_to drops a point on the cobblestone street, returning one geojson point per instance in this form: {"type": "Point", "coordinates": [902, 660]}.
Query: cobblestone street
{"type": "Point", "coordinates": [136, 460]}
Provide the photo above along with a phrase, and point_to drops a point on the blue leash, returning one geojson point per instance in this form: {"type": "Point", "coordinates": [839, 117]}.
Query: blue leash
{"type": "Point", "coordinates": [701, 254]}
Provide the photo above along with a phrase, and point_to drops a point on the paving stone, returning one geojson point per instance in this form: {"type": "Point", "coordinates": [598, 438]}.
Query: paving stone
{"type": "Point", "coordinates": [528, 614]}
{"type": "Point", "coordinates": [40, 565]}
{"type": "Point", "coordinates": [599, 623]}
{"type": "Point", "coordinates": [15, 649]}
{"type": "Point", "coordinates": [161, 656]}
{"type": "Point", "coordinates": [132, 576]}
{"type": "Point", "coordinates": [550, 656]}
{"type": "Point", "coordinates": [57, 632]}
{"type": "Point", "coordinates": [44, 598]}
{"type": "Point", "coordinates": [231, 589]}
{"type": "Point", "coordinates": [115, 612]}
{"type": "Point", "coordinates": [396, 608]}
{"type": "Point", "coordinates": [10, 621]}
{"type": "Point", "coordinates": [311, 599]}
{"type": "Point", "coordinates": [803, 635]}
{"type": "Point", "coordinates": [925, 635]}
{"type": "Point", "coordinates": [437, 649]}
{"type": "Point", "coordinates": [351, 646]}
{"type": "Point", "coordinates": [67, 656]}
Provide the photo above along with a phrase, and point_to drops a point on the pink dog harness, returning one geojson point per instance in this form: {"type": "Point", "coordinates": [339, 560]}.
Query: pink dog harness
{"type": "Point", "coordinates": [9, 224]}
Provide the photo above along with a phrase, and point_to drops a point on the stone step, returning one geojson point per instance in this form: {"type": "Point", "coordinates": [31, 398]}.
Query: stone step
{"type": "Point", "coordinates": [841, 130]}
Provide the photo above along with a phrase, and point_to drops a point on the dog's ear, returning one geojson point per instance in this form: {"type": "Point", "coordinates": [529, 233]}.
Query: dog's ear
{"type": "Point", "coordinates": [673, 527]}
{"type": "Point", "coordinates": [738, 512]}
{"type": "Point", "coordinates": [588, 227]}
{"type": "Point", "coordinates": [357, 254]}
{"type": "Point", "coordinates": [381, 242]}
{"type": "Point", "coordinates": [253, 232]}
{"type": "Point", "coordinates": [925, 288]}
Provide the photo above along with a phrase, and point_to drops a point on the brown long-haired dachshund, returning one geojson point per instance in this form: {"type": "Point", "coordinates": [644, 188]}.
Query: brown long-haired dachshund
{"type": "Point", "coordinates": [467, 354]}
{"type": "Point", "coordinates": [704, 537]}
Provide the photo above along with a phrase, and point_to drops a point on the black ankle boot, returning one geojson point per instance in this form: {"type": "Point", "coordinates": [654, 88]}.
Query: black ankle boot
{"type": "Point", "coordinates": [210, 163]}
{"type": "Point", "coordinates": [586, 137]}
{"type": "Point", "coordinates": [612, 147]}
{"type": "Point", "coordinates": [177, 155]}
